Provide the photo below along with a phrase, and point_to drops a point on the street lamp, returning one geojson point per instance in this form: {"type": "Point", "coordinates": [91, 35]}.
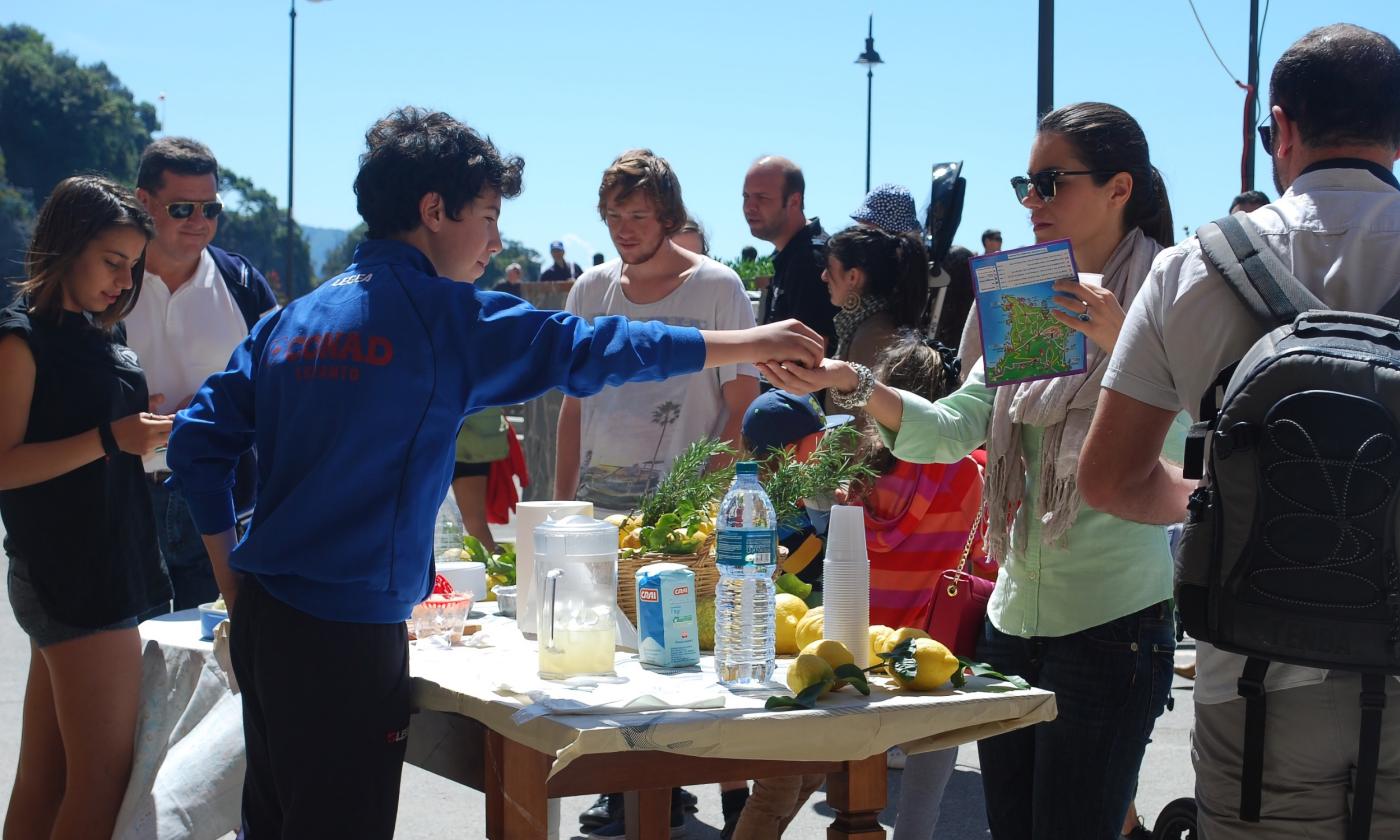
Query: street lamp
{"type": "Point", "coordinates": [291, 125]}
{"type": "Point", "coordinates": [869, 58]}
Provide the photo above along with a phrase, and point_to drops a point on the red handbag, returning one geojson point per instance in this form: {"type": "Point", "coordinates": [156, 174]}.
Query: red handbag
{"type": "Point", "coordinates": [959, 604]}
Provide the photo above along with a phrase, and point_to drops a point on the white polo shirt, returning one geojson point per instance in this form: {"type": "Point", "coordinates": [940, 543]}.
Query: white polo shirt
{"type": "Point", "coordinates": [1339, 230]}
{"type": "Point", "coordinates": [182, 338]}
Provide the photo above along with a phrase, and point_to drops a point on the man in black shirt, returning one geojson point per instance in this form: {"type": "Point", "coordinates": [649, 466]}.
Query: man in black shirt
{"type": "Point", "coordinates": [774, 192]}
{"type": "Point", "coordinates": [562, 269]}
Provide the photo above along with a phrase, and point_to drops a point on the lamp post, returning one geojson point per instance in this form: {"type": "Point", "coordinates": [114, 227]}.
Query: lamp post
{"type": "Point", "coordinates": [290, 281]}
{"type": "Point", "coordinates": [869, 58]}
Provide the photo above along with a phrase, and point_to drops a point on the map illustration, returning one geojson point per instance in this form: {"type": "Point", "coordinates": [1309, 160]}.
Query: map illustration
{"type": "Point", "coordinates": [1021, 340]}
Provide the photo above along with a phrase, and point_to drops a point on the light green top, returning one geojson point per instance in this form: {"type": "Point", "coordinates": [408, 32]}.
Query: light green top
{"type": "Point", "coordinates": [1107, 567]}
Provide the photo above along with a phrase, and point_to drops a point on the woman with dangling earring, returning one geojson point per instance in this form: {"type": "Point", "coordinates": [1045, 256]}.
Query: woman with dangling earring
{"type": "Point", "coordinates": [880, 281]}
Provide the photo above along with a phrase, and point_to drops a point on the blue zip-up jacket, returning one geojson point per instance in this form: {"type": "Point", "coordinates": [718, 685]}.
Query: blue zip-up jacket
{"type": "Point", "coordinates": [354, 395]}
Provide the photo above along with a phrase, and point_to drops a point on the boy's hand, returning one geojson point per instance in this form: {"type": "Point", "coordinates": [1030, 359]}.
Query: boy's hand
{"type": "Point", "coordinates": [788, 341]}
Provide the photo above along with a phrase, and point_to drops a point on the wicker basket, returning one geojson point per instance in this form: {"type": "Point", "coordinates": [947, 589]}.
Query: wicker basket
{"type": "Point", "coordinates": [702, 563]}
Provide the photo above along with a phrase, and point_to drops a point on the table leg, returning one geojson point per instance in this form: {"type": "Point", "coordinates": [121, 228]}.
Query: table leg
{"type": "Point", "coordinates": [517, 805]}
{"type": "Point", "coordinates": [858, 795]}
{"type": "Point", "coordinates": [648, 814]}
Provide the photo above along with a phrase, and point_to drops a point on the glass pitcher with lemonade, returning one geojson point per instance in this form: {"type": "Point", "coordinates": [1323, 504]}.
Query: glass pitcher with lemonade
{"type": "Point", "coordinates": [576, 578]}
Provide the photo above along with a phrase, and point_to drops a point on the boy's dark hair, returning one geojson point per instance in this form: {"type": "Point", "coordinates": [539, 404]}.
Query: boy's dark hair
{"type": "Point", "coordinates": [78, 210]}
{"type": "Point", "coordinates": [180, 155]}
{"type": "Point", "coordinates": [413, 152]}
{"type": "Point", "coordinates": [645, 171]}
{"type": "Point", "coordinates": [1341, 85]}
{"type": "Point", "coordinates": [991, 233]}
{"type": "Point", "coordinates": [748, 254]}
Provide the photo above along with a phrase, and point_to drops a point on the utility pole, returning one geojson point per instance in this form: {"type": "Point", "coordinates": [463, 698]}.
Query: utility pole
{"type": "Point", "coordinates": [1045, 73]}
{"type": "Point", "coordinates": [1251, 114]}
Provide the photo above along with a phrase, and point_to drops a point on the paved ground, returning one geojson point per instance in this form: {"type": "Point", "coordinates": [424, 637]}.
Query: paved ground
{"type": "Point", "coordinates": [429, 803]}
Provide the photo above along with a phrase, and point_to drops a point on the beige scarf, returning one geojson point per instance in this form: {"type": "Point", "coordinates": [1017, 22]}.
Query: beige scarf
{"type": "Point", "coordinates": [1063, 407]}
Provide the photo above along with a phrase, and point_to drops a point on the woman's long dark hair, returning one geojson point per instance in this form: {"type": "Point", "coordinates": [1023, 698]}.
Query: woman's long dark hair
{"type": "Point", "coordinates": [895, 266]}
{"type": "Point", "coordinates": [1107, 138]}
{"type": "Point", "coordinates": [78, 210]}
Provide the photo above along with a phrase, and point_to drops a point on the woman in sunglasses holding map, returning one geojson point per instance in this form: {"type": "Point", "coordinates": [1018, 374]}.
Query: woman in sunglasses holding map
{"type": "Point", "coordinates": [81, 541]}
{"type": "Point", "coordinates": [1082, 600]}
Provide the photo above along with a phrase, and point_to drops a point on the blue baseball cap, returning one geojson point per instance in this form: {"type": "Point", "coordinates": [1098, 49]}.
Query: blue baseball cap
{"type": "Point", "coordinates": [889, 207]}
{"type": "Point", "coordinates": [556, 245]}
{"type": "Point", "coordinates": [777, 418]}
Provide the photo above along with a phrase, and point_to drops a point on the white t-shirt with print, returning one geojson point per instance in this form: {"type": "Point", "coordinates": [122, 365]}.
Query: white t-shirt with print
{"type": "Point", "coordinates": [629, 435]}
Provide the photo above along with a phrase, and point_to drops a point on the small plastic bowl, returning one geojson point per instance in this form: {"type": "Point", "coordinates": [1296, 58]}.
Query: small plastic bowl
{"type": "Point", "coordinates": [209, 618]}
{"type": "Point", "coordinates": [505, 600]}
{"type": "Point", "coordinates": [442, 615]}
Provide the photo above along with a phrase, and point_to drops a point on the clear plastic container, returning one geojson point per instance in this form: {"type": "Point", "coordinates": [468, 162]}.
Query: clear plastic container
{"type": "Point", "coordinates": [576, 581]}
{"type": "Point", "coordinates": [746, 554]}
{"type": "Point", "coordinates": [448, 532]}
{"type": "Point", "coordinates": [442, 615]}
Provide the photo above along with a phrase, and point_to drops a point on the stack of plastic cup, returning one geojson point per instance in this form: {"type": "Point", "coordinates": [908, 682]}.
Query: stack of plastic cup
{"type": "Point", "coordinates": [846, 582]}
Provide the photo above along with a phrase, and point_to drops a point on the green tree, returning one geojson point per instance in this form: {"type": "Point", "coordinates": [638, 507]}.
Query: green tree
{"type": "Point", "coordinates": [255, 226]}
{"type": "Point", "coordinates": [16, 225]}
{"type": "Point", "coordinates": [58, 117]}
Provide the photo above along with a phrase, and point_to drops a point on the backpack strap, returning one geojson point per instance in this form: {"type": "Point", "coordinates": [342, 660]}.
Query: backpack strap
{"type": "Point", "coordinates": [1254, 272]}
{"type": "Point", "coordinates": [1251, 688]}
{"type": "Point", "coordinates": [1368, 756]}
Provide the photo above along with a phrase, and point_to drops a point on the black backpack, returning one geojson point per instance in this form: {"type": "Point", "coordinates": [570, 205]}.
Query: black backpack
{"type": "Point", "coordinates": [1289, 552]}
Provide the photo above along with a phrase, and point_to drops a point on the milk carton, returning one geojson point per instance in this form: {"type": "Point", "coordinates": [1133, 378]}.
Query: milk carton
{"type": "Point", "coordinates": [666, 631]}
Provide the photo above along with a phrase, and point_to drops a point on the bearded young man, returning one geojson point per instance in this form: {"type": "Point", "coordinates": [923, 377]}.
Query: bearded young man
{"type": "Point", "coordinates": [615, 446]}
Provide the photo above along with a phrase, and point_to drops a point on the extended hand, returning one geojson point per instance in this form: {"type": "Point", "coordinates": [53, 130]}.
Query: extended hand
{"type": "Point", "coordinates": [799, 379]}
{"type": "Point", "coordinates": [1093, 310]}
{"type": "Point", "coordinates": [788, 341]}
{"type": "Point", "coordinates": [140, 434]}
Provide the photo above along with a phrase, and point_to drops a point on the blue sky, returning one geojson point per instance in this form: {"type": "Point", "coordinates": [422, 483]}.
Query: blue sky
{"type": "Point", "coordinates": [708, 85]}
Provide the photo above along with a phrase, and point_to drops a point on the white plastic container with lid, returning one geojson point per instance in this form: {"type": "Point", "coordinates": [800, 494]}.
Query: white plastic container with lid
{"type": "Point", "coordinates": [528, 516]}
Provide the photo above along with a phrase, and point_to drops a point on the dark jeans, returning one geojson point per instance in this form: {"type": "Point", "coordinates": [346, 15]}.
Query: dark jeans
{"type": "Point", "coordinates": [325, 720]}
{"type": "Point", "coordinates": [191, 575]}
{"type": "Point", "coordinates": [1073, 777]}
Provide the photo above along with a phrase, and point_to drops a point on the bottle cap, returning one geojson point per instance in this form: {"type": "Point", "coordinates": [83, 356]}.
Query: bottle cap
{"type": "Point", "coordinates": [746, 468]}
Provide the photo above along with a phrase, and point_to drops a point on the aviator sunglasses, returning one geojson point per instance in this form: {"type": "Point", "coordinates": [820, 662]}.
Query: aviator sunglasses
{"type": "Point", "coordinates": [1044, 181]}
{"type": "Point", "coordinates": [181, 210]}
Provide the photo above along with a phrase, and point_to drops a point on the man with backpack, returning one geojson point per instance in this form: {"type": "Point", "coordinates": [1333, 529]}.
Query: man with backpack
{"type": "Point", "coordinates": [197, 304]}
{"type": "Point", "coordinates": [1290, 543]}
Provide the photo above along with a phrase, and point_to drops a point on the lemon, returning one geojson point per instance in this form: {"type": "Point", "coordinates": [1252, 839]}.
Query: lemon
{"type": "Point", "coordinates": [808, 670]}
{"type": "Point", "coordinates": [790, 610]}
{"type": "Point", "coordinates": [811, 628]}
{"type": "Point", "coordinates": [935, 665]}
{"type": "Point", "coordinates": [632, 539]}
{"type": "Point", "coordinates": [894, 637]}
{"type": "Point", "coordinates": [618, 519]}
{"type": "Point", "coordinates": [878, 632]}
{"type": "Point", "coordinates": [835, 654]}
{"type": "Point", "coordinates": [705, 622]}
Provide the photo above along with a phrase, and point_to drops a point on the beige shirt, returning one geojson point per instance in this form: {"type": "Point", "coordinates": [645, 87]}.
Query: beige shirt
{"type": "Point", "coordinates": [1339, 229]}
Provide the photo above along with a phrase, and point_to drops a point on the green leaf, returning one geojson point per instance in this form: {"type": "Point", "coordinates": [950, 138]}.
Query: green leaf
{"type": "Point", "coordinates": [477, 551]}
{"type": "Point", "coordinates": [855, 676]}
{"type": "Point", "coordinates": [982, 669]}
{"type": "Point", "coordinates": [902, 659]}
{"type": "Point", "coordinates": [805, 699]}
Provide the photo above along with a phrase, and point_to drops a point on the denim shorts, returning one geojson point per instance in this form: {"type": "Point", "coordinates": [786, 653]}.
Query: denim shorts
{"type": "Point", "coordinates": [42, 628]}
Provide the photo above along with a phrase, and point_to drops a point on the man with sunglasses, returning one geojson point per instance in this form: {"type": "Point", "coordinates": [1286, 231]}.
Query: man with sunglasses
{"type": "Point", "coordinates": [197, 303]}
{"type": "Point", "coordinates": [1333, 136]}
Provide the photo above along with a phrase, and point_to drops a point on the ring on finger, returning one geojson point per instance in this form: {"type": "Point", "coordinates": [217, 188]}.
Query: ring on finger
{"type": "Point", "coordinates": [1086, 305]}
{"type": "Point", "coordinates": [1084, 316]}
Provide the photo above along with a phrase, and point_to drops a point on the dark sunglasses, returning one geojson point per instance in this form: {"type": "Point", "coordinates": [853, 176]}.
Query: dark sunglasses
{"type": "Point", "coordinates": [181, 210]}
{"type": "Point", "coordinates": [1045, 181]}
{"type": "Point", "coordinates": [1266, 135]}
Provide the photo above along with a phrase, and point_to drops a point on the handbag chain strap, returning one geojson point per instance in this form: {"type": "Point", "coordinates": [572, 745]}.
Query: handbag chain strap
{"type": "Point", "coordinates": [967, 552]}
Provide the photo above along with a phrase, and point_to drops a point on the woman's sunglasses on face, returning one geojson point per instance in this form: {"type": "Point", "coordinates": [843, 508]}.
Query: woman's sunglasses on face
{"type": "Point", "coordinates": [1045, 181]}
{"type": "Point", "coordinates": [181, 210]}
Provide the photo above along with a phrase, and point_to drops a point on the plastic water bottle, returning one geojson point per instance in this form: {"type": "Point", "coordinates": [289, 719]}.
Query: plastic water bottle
{"type": "Point", "coordinates": [448, 532]}
{"type": "Point", "coordinates": [746, 553]}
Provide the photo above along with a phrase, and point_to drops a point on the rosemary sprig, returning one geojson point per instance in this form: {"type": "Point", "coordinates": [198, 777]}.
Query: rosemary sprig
{"type": "Point", "coordinates": [831, 465]}
{"type": "Point", "coordinates": [688, 481]}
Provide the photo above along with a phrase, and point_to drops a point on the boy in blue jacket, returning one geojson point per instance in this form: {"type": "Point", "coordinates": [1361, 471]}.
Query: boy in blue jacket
{"type": "Point", "coordinates": [353, 396]}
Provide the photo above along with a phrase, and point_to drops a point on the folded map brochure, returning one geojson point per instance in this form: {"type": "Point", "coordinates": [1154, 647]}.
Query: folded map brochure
{"type": "Point", "coordinates": [1021, 340]}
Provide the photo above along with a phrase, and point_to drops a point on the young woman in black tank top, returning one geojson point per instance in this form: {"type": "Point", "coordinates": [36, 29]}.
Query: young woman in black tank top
{"type": "Point", "coordinates": [83, 561]}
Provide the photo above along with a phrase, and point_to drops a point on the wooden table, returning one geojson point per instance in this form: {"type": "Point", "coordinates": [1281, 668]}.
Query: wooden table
{"type": "Point", "coordinates": [515, 780]}
{"type": "Point", "coordinates": [466, 730]}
